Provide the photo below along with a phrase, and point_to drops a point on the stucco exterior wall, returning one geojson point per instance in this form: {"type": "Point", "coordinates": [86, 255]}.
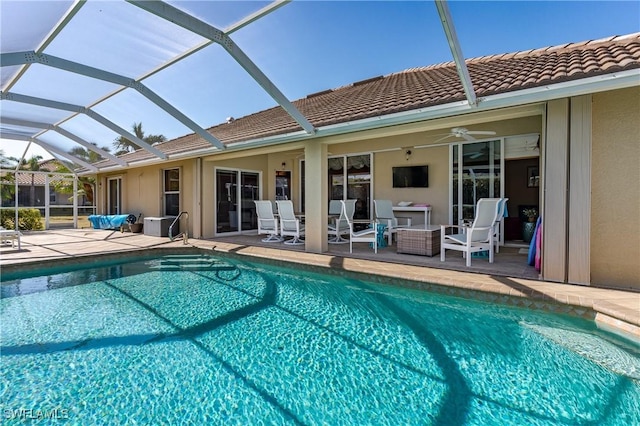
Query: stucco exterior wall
{"type": "Point", "coordinates": [142, 189]}
{"type": "Point", "coordinates": [615, 183]}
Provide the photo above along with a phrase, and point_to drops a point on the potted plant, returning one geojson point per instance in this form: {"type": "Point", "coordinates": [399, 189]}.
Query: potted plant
{"type": "Point", "coordinates": [531, 214]}
{"type": "Point", "coordinates": [528, 227]}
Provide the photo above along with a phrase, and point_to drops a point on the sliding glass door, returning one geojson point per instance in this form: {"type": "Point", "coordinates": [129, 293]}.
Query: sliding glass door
{"type": "Point", "coordinates": [477, 172]}
{"type": "Point", "coordinates": [235, 191]}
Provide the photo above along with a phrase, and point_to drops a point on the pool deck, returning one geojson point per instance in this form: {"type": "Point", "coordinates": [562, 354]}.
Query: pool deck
{"type": "Point", "coordinates": [505, 281]}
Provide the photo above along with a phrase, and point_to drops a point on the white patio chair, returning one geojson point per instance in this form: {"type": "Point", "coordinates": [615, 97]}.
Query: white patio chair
{"type": "Point", "coordinates": [267, 222]}
{"type": "Point", "coordinates": [367, 235]}
{"type": "Point", "coordinates": [476, 238]}
{"type": "Point", "coordinates": [384, 214]}
{"type": "Point", "coordinates": [289, 224]}
{"type": "Point", "coordinates": [497, 226]}
{"type": "Point", "coordinates": [340, 225]}
{"type": "Point", "coordinates": [10, 235]}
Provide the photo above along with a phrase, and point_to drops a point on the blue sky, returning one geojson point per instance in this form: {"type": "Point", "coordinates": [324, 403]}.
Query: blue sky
{"type": "Point", "coordinates": [303, 47]}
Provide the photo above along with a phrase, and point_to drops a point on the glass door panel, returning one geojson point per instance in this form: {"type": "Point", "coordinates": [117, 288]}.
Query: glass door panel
{"type": "Point", "coordinates": [250, 191]}
{"type": "Point", "coordinates": [114, 196]}
{"type": "Point", "coordinates": [477, 173]}
{"type": "Point", "coordinates": [354, 180]}
{"type": "Point", "coordinates": [283, 185]}
{"type": "Point", "coordinates": [227, 201]}
{"type": "Point", "coordinates": [336, 178]}
{"type": "Point", "coordinates": [359, 184]}
{"type": "Point", "coordinates": [235, 192]}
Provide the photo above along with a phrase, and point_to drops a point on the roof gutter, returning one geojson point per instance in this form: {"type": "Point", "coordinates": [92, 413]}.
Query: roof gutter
{"type": "Point", "coordinates": [601, 83]}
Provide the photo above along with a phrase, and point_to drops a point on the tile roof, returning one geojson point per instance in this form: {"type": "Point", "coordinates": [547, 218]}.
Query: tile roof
{"type": "Point", "coordinates": [424, 87]}
{"type": "Point", "coordinates": [51, 165]}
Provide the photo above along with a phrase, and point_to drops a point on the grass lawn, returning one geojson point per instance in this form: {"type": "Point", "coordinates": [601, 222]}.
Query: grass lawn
{"type": "Point", "coordinates": [57, 221]}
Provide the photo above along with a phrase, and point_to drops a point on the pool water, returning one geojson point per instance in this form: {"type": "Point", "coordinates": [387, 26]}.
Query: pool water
{"type": "Point", "coordinates": [196, 339]}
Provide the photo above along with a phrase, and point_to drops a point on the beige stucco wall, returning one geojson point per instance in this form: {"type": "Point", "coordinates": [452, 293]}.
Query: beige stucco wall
{"type": "Point", "coordinates": [615, 183]}
{"type": "Point", "coordinates": [142, 188]}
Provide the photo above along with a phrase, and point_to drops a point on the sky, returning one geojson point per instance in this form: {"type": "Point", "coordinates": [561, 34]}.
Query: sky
{"type": "Point", "coordinates": [303, 47]}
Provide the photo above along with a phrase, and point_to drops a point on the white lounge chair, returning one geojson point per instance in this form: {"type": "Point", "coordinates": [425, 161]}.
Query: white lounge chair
{"type": "Point", "coordinates": [475, 238]}
{"type": "Point", "coordinates": [385, 215]}
{"type": "Point", "coordinates": [267, 222]}
{"type": "Point", "coordinates": [340, 225]}
{"type": "Point", "coordinates": [10, 235]}
{"type": "Point", "coordinates": [367, 235]}
{"type": "Point", "coordinates": [289, 224]}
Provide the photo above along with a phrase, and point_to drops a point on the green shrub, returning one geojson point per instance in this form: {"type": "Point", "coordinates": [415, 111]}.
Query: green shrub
{"type": "Point", "coordinates": [28, 219]}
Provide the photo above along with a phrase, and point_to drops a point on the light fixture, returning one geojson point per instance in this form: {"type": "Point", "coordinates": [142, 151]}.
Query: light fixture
{"type": "Point", "coordinates": [407, 154]}
{"type": "Point", "coordinates": [284, 165]}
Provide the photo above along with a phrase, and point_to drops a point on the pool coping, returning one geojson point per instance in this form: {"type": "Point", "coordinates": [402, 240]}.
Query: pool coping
{"type": "Point", "coordinates": [595, 304]}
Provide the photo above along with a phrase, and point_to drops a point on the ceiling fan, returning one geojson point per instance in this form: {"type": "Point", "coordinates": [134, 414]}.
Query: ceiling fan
{"type": "Point", "coordinates": [462, 132]}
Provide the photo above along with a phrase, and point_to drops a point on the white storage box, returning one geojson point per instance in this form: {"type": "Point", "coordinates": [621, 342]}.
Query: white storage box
{"type": "Point", "coordinates": [159, 226]}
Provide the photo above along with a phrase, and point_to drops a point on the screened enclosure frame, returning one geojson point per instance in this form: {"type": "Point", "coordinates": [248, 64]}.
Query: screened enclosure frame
{"type": "Point", "coordinates": [195, 34]}
{"type": "Point", "coordinates": [46, 205]}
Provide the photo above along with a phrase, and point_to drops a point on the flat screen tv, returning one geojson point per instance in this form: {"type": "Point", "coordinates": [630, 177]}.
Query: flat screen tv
{"type": "Point", "coordinates": [411, 177]}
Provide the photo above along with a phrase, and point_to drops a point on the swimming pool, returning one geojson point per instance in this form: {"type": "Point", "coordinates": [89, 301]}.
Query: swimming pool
{"type": "Point", "coordinates": [199, 339]}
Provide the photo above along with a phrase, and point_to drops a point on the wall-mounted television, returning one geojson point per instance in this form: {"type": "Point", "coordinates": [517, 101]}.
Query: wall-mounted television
{"type": "Point", "coordinates": [411, 177]}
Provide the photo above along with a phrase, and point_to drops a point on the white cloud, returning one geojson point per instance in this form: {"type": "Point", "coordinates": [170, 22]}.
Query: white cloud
{"type": "Point", "coordinates": [12, 148]}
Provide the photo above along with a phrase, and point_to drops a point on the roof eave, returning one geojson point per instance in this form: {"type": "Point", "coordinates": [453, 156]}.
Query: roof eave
{"type": "Point", "coordinates": [596, 84]}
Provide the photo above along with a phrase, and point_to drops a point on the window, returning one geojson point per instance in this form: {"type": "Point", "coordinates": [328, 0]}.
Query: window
{"type": "Point", "coordinates": [172, 192]}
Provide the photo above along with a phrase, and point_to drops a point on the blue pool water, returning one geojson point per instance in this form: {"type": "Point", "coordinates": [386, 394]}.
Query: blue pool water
{"type": "Point", "coordinates": [193, 339]}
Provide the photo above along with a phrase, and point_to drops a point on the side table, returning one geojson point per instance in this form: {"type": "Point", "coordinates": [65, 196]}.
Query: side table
{"type": "Point", "coordinates": [421, 239]}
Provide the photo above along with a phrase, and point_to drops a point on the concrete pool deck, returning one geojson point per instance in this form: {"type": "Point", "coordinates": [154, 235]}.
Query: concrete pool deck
{"type": "Point", "coordinates": [611, 308]}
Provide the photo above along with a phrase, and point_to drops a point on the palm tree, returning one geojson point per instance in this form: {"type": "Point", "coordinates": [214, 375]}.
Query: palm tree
{"type": "Point", "coordinates": [123, 145]}
{"type": "Point", "coordinates": [7, 162]}
{"type": "Point", "coordinates": [7, 184]}
{"type": "Point", "coordinates": [86, 154]}
{"type": "Point", "coordinates": [32, 165]}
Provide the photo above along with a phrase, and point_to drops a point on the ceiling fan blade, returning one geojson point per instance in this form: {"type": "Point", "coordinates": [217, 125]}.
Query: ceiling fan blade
{"type": "Point", "coordinates": [468, 137]}
{"type": "Point", "coordinates": [441, 139]}
{"type": "Point", "coordinates": [481, 132]}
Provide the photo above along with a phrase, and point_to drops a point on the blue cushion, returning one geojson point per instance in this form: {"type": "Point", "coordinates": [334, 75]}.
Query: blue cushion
{"type": "Point", "coordinates": [108, 221]}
